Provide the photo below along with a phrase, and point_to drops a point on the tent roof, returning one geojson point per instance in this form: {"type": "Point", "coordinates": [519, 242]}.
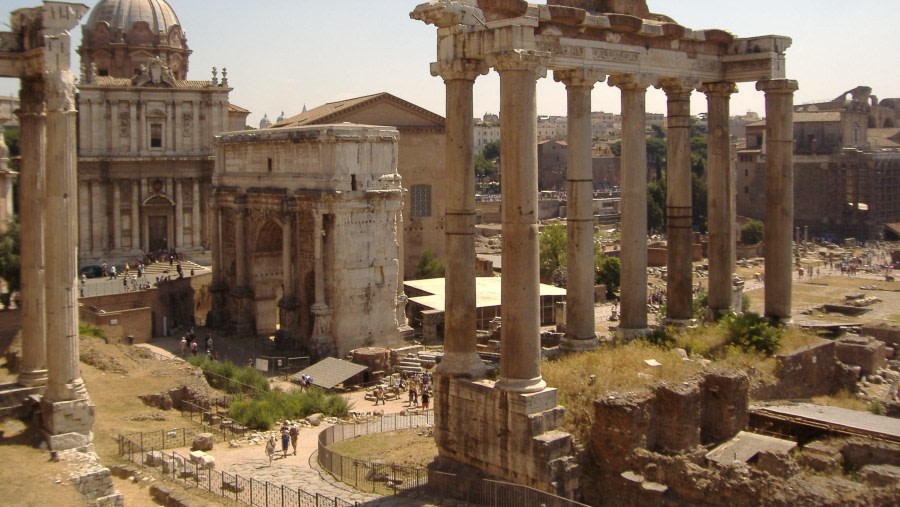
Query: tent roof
{"type": "Point", "coordinates": [330, 372]}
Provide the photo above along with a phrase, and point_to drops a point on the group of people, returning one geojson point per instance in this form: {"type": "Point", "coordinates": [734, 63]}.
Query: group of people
{"type": "Point", "coordinates": [418, 388]}
{"type": "Point", "coordinates": [189, 343]}
{"type": "Point", "coordinates": [289, 432]}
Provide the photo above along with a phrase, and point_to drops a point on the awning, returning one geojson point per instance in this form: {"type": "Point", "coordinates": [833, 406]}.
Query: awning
{"type": "Point", "coordinates": [330, 372]}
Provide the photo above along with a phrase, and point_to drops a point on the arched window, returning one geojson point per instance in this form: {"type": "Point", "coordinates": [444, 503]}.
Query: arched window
{"type": "Point", "coordinates": [420, 201]}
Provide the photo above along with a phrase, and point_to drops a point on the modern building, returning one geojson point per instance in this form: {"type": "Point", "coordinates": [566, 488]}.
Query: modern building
{"type": "Point", "coordinates": [846, 166]}
{"type": "Point", "coordinates": [145, 156]}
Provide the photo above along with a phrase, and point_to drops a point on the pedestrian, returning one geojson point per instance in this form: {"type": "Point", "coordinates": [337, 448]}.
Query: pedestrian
{"type": "Point", "coordinates": [112, 272]}
{"type": "Point", "coordinates": [379, 395]}
{"type": "Point", "coordinates": [412, 394]}
{"type": "Point", "coordinates": [285, 438]}
{"type": "Point", "coordinates": [125, 284]}
{"type": "Point", "coordinates": [194, 348]}
{"type": "Point", "coordinates": [209, 343]}
{"type": "Point", "coordinates": [425, 399]}
{"type": "Point", "coordinates": [183, 345]}
{"type": "Point", "coordinates": [295, 434]}
{"type": "Point", "coordinates": [270, 448]}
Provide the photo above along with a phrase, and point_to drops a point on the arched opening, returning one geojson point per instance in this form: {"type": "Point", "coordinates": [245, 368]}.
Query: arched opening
{"type": "Point", "coordinates": [266, 266]}
{"type": "Point", "coordinates": [889, 123]}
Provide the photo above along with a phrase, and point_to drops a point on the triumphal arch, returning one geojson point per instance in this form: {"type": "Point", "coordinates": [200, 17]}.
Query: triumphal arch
{"type": "Point", "coordinates": [508, 428]}
{"type": "Point", "coordinates": [37, 52]}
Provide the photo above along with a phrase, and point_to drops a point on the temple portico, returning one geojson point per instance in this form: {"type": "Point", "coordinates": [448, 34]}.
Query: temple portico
{"type": "Point", "coordinates": [582, 42]}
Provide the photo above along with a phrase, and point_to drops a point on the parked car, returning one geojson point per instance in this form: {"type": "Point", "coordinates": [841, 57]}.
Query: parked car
{"type": "Point", "coordinates": [92, 271]}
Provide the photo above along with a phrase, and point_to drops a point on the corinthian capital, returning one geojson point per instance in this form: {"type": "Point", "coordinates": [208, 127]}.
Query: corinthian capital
{"type": "Point", "coordinates": [521, 59]}
{"type": "Point", "coordinates": [578, 77]}
{"type": "Point", "coordinates": [777, 86]}
{"type": "Point", "coordinates": [631, 81]}
{"type": "Point", "coordinates": [459, 69]}
{"type": "Point", "coordinates": [59, 90]}
{"type": "Point", "coordinates": [724, 88]}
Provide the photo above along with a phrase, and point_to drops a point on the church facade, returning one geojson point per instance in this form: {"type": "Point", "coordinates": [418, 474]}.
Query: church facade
{"type": "Point", "coordinates": [145, 155]}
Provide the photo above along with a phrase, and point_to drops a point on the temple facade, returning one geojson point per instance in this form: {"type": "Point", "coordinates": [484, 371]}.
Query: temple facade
{"type": "Point", "coordinates": [145, 156]}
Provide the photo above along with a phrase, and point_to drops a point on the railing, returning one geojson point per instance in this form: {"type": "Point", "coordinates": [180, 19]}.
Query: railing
{"type": "Point", "coordinates": [368, 476]}
{"type": "Point", "coordinates": [142, 449]}
{"type": "Point", "coordinates": [493, 493]}
{"type": "Point", "coordinates": [213, 420]}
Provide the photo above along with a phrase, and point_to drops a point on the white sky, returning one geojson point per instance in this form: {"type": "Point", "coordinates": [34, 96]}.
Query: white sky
{"type": "Point", "coordinates": [282, 54]}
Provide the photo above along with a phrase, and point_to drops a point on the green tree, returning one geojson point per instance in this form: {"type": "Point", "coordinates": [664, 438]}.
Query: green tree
{"type": "Point", "coordinates": [9, 254]}
{"type": "Point", "coordinates": [752, 232]}
{"type": "Point", "coordinates": [699, 203]}
{"type": "Point", "coordinates": [656, 155]}
{"type": "Point", "coordinates": [608, 272]}
{"type": "Point", "coordinates": [484, 168]}
{"type": "Point", "coordinates": [656, 204]}
{"type": "Point", "coordinates": [428, 266]}
{"type": "Point", "coordinates": [658, 131]}
{"type": "Point", "coordinates": [491, 150]}
{"type": "Point", "coordinates": [553, 241]}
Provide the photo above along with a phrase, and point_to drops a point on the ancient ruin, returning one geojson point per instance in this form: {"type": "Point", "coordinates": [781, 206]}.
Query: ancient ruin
{"type": "Point", "coordinates": [37, 52]}
{"type": "Point", "coordinates": [585, 42]}
{"type": "Point", "coordinates": [306, 236]}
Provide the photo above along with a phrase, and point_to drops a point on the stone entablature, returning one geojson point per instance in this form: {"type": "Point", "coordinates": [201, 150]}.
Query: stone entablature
{"type": "Point", "coordinates": [308, 243]}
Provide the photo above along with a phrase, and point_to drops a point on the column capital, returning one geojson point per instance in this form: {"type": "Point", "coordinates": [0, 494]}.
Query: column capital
{"type": "Point", "coordinates": [631, 81]}
{"type": "Point", "coordinates": [289, 207]}
{"type": "Point", "coordinates": [677, 88]}
{"type": "Point", "coordinates": [724, 88]}
{"type": "Point", "coordinates": [777, 86]}
{"type": "Point", "coordinates": [582, 78]}
{"type": "Point", "coordinates": [521, 59]}
{"type": "Point", "coordinates": [60, 90]}
{"type": "Point", "coordinates": [459, 69]}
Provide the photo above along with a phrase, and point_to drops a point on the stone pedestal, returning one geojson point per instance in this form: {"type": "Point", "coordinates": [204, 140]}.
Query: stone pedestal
{"type": "Point", "coordinates": [321, 344]}
{"type": "Point", "coordinates": [509, 435]}
{"type": "Point", "coordinates": [243, 320]}
{"type": "Point", "coordinates": [67, 424]}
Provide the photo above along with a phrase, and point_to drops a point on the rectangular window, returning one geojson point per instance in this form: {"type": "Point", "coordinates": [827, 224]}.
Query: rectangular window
{"type": "Point", "coordinates": [156, 135]}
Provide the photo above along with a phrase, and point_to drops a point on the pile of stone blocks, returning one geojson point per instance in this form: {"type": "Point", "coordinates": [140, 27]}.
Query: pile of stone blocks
{"type": "Point", "coordinates": [866, 352]}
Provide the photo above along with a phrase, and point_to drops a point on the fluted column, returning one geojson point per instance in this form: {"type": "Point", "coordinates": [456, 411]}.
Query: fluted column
{"type": "Point", "coordinates": [240, 242]}
{"type": "Point", "coordinates": [720, 198]}
{"type": "Point", "coordinates": [179, 213]}
{"type": "Point", "coordinates": [633, 253]}
{"type": "Point", "coordinates": [460, 318]}
{"type": "Point", "coordinates": [580, 324]}
{"type": "Point", "coordinates": [61, 232]}
{"type": "Point", "coordinates": [135, 215]}
{"type": "Point", "coordinates": [117, 215]}
{"type": "Point", "coordinates": [321, 343]}
{"type": "Point", "coordinates": [195, 213]}
{"type": "Point", "coordinates": [679, 212]}
{"type": "Point", "coordinates": [84, 216]}
{"type": "Point", "coordinates": [779, 195]}
{"type": "Point", "coordinates": [520, 363]}
{"type": "Point", "coordinates": [32, 176]}
{"type": "Point", "coordinates": [99, 238]}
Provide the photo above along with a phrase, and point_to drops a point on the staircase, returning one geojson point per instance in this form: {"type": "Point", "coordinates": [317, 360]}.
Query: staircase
{"type": "Point", "coordinates": [14, 398]}
{"type": "Point", "coordinates": [162, 270]}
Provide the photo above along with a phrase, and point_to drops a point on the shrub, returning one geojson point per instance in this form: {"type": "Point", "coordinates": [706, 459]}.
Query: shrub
{"type": "Point", "coordinates": [752, 332]}
{"type": "Point", "coordinates": [660, 337]}
{"type": "Point", "coordinates": [92, 331]}
{"type": "Point", "coordinates": [267, 409]}
{"type": "Point", "coordinates": [229, 377]}
{"type": "Point", "coordinates": [752, 232]}
{"type": "Point", "coordinates": [608, 272]}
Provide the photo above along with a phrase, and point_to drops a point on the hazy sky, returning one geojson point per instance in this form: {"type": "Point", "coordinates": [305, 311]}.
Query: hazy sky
{"type": "Point", "coordinates": [282, 54]}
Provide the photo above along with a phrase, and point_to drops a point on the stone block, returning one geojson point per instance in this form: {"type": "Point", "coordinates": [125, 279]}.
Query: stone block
{"type": "Point", "coordinates": [820, 456]}
{"type": "Point", "coordinates": [880, 475]}
{"type": "Point", "coordinates": [196, 456]}
{"type": "Point", "coordinates": [776, 463]}
{"type": "Point", "coordinates": [532, 403]}
{"type": "Point", "coordinates": [66, 441]}
{"type": "Point", "coordinates": [867, 353]}
{"type": "Point", "coordinates": [678, 416]}
{"type": "Point", "coordinates": [315, 419]}
{"type": "Point", "coordinates": [203, 442]}
{"type": "Point", "coordinates": [726, 397]}
{"type": "Point", "coordinates": [154, 458]}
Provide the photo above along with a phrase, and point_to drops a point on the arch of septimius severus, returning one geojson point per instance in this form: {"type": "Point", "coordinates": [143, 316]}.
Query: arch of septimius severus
{"type": "Point", "coordinates": [508, 428]}
{"type": "Point", "coordinates": [37, 51]}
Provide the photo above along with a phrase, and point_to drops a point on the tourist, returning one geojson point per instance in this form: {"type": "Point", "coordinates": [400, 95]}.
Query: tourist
{"type": "Point", "coordinates": [425, 399]}
{"type": "Point", "coordinates": [285, 438]}
{"type": "Point", "coordinates": [209, 343]}
{"type": "Point", "coordinates": [295, 434]}
{"type": "Point", "coordinates": [194, 348]}
{"type": "Point", "coordinates": [379, 395]}
{"type": "Point", "coordinates": [270, 448]}
{"type": "Point", "coordinates": [183, 345]}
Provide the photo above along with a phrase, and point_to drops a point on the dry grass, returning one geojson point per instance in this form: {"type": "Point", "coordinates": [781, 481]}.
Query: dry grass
{"type": "Point", "coordinates": [843, 399]}
{"type": "Point", "coordinates": [412, 448]}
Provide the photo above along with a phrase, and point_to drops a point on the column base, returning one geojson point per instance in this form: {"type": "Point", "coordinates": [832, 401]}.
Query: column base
{"type": "Point", "coordinates": [35, 378]}
{"type": "Point", "coordinates": [461, 364]}
{"type": "Point", "coordinates": [521, 385]}
{"type": "Point", "coordinates": [627, 334]}
{"type": "Point", "coordinates": [68, 424]}
{"type": "Point", "coordinates": [569, 344]}
{"type": "Point", "coordinates": [784, 321]}
{"type": "Point", "coordinates": [715, 314]}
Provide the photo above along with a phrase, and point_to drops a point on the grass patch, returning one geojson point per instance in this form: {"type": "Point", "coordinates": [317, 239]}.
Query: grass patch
{"type": "Point", "coordinates": [229, 377]}
{"type": "Point", "coordinates": [92, 331]}
{"type": "Point", "coordinates": [412, 448]}
{"type": "Point", "coordinates": [265, 410]}
{"type": "Point", "coordinates": [842, 399]}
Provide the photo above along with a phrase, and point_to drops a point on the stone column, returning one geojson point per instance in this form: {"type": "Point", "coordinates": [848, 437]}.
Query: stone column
{"type": "Point", "coordinates": [195, 213]}
{"type": "Point", "coordinates": [520, 363]}
{"type": "Point", "coordinates": [84, 217]}
{"type": "Point", "coordinates": [117, 215]}
{"type": "Point", "coordinates": [321, 343]}
{"type": "Point", "coordinates": [721, 196]}
{"type": "Point", "coordinates": [679, 211]}
{"type": "Point", "coordinates": [179, 213]}
{"type": "Point", "coordinates": [135, 215]}
{"type": "Point", "coordinates": [633, 285]}
{"type": "Point", "coordinates": [240, 242]}
{"type": "Point", "coordinates": [64, 383]}
{"type": "Point", "coordinates": [779, 195]}
{"type": "Point", "coordinates": [289, 302]}
{"type": "Point", "coordinates": [580, 325]}
{"type": "Point", "coordinates": [460, 317]}
{"type": "Point", "coordinates": [32, 177]}
{"type": "Point", "coordinates": [99, 239]}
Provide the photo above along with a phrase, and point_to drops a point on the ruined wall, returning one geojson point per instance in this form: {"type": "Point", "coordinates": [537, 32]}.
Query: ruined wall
{"type": "Point", "coordinates": [887, 333]}
{"type": "Point", "coordinates": [810, 371]}
{"type": "Point", "coordinates": [866, 352]}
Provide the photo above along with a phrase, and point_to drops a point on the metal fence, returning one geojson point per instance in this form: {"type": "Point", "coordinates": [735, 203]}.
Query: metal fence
{"type": "Point", "coordinates": [493, 493]}
{"type": "Point", "coordinates": [368, 476]}
{"type": "Point", "coordinates": [145, 449]}
{"type": "Point", "coordinates": [213, 418]}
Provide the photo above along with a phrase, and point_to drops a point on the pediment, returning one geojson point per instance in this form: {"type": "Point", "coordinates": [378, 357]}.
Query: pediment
{"type": "Point", "coordinates": [391, 111]}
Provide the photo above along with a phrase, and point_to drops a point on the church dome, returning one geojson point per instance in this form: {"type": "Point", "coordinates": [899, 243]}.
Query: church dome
{"type": "Point", "coordinates": [124, 14]}
{"type": "Point", "coordinates": [122, 35]}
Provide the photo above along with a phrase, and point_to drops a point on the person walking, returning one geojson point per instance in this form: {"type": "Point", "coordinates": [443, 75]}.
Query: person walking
{"type": "Point", "coordinates": [182, 345]}
{"type": "Point", "coordinates": [270, 448]}
{"type": "Point", "coordinates": [425, 399]}
{"type": "Point", "coordinates": [295, 434]}
{"type": "Point", "coordinates": [285, 439]}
